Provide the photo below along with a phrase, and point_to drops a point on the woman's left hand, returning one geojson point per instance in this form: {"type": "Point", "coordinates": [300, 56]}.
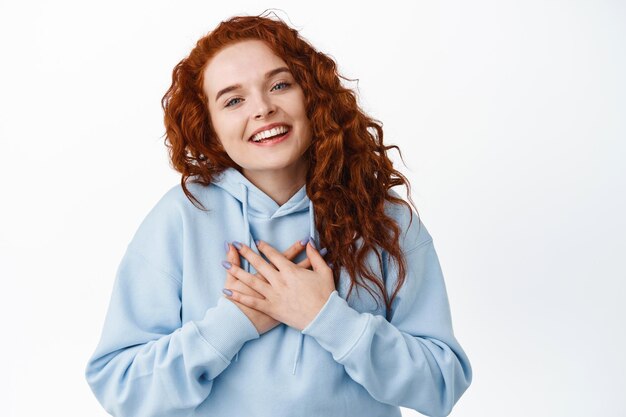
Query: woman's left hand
{"type": "Point", "coordinates": [293, 295]}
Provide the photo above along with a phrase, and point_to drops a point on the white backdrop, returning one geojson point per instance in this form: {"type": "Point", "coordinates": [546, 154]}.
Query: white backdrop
{"type": "Point", "coordinates": [511, 119]}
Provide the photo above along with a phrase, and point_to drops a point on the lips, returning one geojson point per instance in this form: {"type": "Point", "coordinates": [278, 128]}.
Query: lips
{"type": "Point", "coordinates": [268, 127]}
{"type": "Point", "coordinates": [272, 142]}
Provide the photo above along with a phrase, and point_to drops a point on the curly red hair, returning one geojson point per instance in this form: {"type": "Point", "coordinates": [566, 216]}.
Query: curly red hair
{"type": "Point", "coordinates": [349, 173]}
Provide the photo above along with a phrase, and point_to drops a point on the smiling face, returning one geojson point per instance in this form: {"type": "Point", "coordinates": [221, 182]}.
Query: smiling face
{"type": "Point", "coordinates": [252, 94]}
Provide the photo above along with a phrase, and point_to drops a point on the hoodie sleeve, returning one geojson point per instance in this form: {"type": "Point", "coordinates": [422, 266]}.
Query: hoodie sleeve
{"type": "Point", "coordinates": [149, 363]}
{"type": "Point", "coordinates": [413, 360]}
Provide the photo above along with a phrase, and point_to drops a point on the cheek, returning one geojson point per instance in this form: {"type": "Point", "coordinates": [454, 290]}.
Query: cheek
{"type": "Point", "coordinates": [302, 103]}
{"type": "Point", "coordinates": [303, 115]}
{"type": "Point", "coordinates": [228, 128]}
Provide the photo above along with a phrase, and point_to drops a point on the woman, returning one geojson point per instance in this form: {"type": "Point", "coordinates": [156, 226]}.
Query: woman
{"type": "Point", "coordinates": [277, 159]}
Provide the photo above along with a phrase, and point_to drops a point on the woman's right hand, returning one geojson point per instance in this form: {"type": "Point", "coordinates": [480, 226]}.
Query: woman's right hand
{"type": "Point", "coordinates": [261, 321]}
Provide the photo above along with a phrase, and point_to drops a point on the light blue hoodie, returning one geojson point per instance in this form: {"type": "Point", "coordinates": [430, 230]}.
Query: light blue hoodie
{"type": "Point", "coordinates": [173, 345]}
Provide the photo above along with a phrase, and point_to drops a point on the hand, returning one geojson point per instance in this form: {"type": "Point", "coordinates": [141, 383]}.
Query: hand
{"type": "Point", "coordinates": [289, 293]}
{"type": "Point", "coordinates": [262, 322]}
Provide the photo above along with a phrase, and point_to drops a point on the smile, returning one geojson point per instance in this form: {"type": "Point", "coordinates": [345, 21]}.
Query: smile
{"type": "Point", "coordinates": [271, 134]}
{"type": "Point", "coordinates": [273, 140]}
{"type": "Point", "coordinates": [269, 131]}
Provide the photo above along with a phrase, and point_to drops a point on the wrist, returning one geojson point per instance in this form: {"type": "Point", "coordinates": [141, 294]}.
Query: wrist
{"type": "Point", "coordinates": [315, 311]}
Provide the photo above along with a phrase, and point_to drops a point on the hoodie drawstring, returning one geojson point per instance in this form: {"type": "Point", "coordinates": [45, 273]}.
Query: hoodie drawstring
{"type": "Point", "coordinates": [246, 223]}
{"type": "Point", "coordinates": [312, 233]}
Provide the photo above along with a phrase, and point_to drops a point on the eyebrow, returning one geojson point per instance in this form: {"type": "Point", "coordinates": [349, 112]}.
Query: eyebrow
{"type": "Point", "coordinates": [269, 74]}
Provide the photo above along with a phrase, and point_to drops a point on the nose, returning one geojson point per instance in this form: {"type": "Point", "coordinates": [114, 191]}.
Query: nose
{"type": "Point", "coordinates": [264, 107]}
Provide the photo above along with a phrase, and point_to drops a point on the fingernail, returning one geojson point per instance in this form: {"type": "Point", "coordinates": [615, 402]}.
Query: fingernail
{"type": "Point", "coordinates": [258, 242]}
{"type": "Point", "coordinates": [237, 245]}
{"type": "Point", "coordinates": [312, 243]}
{"type": "Point", "coordinates": [227, 292]}
{"type": "Point", "coordinates": [226, 247]}
{"type": "Point", "coordinates": [324, 251]}
{"type": "Point", "coordinates": [226, 264]}
{"type": "Point", "coordinates": [304, 241]}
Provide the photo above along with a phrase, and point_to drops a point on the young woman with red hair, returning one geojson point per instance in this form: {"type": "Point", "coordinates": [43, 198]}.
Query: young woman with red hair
{"type": "Point", "coordinates": [222, 303]}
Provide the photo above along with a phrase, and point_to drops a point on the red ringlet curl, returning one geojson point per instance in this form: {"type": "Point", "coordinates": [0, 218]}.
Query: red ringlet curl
{"type": "Point", "coordinates": [349, 172]}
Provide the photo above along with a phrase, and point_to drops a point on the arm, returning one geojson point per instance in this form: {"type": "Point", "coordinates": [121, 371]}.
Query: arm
{"type": "Point", "coordinates": [413, 360]}
{"type": "Point", "coordinates": [148, 363]}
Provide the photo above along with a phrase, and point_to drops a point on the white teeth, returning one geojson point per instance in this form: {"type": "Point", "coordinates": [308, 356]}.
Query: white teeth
{"type": "Point", "coordinates": [270, 132]}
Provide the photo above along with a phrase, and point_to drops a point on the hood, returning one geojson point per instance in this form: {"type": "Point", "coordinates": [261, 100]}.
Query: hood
{"type": "Point", "coordinates": [255, 202]}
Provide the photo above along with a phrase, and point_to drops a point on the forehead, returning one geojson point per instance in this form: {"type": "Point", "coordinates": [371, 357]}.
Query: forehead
{"type": "Point", "coordinates": [241, 62]}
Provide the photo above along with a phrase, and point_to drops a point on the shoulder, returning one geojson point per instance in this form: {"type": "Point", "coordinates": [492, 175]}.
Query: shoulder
{"type": "Point", "coordinates": [413, 231]}
{"type": "Point", "coordinates": [171, 211]}
{"type": "Point", "coordinates": [160, 237]}
{"type": "Point", "coordinates": [176, 199]}
{"type": "Point", "coordinates": [176, 202]}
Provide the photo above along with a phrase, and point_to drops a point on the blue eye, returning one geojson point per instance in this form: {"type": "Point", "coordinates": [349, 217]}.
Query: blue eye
{"type": "Point", "coordinates": [230, 102]}
{"type": "Point", "coordinates": [234, 101]}
{"type": "Point", "coordinates": [281, 83]}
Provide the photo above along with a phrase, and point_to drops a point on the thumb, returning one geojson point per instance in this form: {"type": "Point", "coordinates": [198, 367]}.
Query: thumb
{"type": "Point", "coordinates": [232, 255]}
{"type": "Point", "coordinates": [317, 262]}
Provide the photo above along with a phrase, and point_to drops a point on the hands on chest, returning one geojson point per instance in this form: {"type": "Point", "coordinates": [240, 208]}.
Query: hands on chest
{"type": "Point", "coordinates": [280, 291]}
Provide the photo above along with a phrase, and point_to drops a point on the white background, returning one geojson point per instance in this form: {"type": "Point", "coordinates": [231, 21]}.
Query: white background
{"type": "Point", "coordinates": [511, 119]}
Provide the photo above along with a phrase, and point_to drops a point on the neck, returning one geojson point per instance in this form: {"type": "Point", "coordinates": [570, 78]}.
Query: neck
{"type": "Point", "coordinates": [279, 185]}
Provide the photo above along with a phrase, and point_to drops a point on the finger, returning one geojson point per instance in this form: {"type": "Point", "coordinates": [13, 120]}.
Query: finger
{"type": "Point", "coordinates": [250, 280]}
{"type": "Point", "coordinates": [298, 246]}
{"type": "Point", "coordinates": [276, 258]}
{"type": "Point", "coordinates": [305, 263]}
{"type": "Point", "coordinates": [261, 277]}
{"type": "Point", "coordinates": [247, 300]}
{"type": "Point", "coordinates": [231, 254]}
{"type": "Point", "coordinates": [317, 261]}
{"type": "Point", "coordinates": [232, 282]}
{"type": "Point", "coordinates": [291, 253]}
{"type": "Point", "coordinates": [233, 257]}
{"type": "Point", "coordinates": [260, 264]}
{"type": "Point", "coordinates": [295, 249]}
{"type": "Point", "coordinates": [237, 284]}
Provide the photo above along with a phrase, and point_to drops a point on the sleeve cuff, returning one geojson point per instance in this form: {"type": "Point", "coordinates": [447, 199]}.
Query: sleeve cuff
{"type": "Point", "coordinates": [226, 328]}
{"type": "Point", "coordinates": [337, 327]}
